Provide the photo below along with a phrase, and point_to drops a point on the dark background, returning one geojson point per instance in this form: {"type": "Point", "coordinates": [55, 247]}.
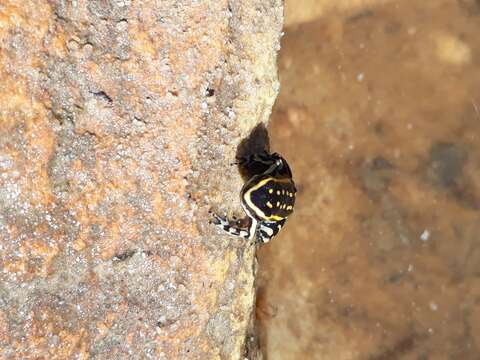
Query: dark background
{"type": "Point", "coordinates": [379, 118]}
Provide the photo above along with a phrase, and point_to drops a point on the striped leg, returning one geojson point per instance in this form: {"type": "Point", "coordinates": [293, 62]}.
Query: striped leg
{"type": "Point", "coordinates": [267, 230]}
{"type": "Point", "coordinates": [226, 225]}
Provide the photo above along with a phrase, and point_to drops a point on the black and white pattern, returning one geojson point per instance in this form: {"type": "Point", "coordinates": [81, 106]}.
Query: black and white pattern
{"type": "Point", "coordinates": [268, 198]}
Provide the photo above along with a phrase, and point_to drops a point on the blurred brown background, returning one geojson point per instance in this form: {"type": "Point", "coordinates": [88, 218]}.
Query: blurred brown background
{"type": "Point", "coordinates": [379, 117]}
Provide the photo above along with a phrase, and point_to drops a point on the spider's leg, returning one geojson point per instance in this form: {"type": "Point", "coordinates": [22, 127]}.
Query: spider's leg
{"type": "Point", "coordinates": [267, 230]}
{"type": "Point", "coordinates": [233, 229]}
{"type": "Point", "coordinates": [262, 159]}
{"type": "Point", "coordinates": [242, 160]}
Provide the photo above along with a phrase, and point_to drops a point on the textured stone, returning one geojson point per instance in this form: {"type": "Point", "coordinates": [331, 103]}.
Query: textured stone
{"type": "Point", "coordinates": [118, 121]}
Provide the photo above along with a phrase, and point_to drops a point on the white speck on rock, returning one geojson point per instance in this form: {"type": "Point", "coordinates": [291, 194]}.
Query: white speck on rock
{"type": "Point", "coordinates": [425, 235]}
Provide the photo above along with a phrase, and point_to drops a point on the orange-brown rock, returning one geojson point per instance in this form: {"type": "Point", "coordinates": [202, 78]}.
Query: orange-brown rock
{"type": "Point", "coordinates": [118, 120]}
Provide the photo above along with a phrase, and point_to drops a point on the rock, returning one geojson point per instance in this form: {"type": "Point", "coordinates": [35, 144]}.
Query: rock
{"type": "Point", "coordinates": [118, 121]}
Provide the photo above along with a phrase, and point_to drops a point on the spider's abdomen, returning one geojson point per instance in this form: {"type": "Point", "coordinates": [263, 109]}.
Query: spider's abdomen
{"type": "Point", "coordinates": [269, 198]}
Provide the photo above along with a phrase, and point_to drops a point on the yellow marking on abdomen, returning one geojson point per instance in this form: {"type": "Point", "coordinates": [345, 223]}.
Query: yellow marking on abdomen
{"type": "Point", "coordinates": [252, 206]}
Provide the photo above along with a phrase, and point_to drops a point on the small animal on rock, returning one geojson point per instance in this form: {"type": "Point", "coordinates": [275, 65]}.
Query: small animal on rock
{"type": "Point", "coordinates": [268, 198]}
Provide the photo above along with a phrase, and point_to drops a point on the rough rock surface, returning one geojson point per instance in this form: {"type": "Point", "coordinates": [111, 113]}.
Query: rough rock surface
{"type": "Point", "coordinates": [118, 120]}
